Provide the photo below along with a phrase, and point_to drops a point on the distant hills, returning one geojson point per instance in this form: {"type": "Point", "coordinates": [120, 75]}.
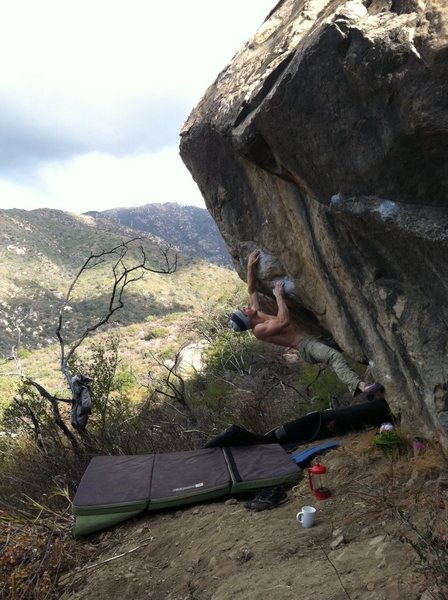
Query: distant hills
{"type": "Point", "coordinates": [42, 250]}
{"type": "Point", "coordinates": [189, 228]}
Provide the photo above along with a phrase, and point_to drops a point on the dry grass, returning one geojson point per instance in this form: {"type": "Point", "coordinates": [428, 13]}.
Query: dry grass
{"type": "Point", "coordinates": [359, 445]}
{"type": "Point", "coordinates": [36, 547]}
{"type": "Point", "coordinates": [431, 462]}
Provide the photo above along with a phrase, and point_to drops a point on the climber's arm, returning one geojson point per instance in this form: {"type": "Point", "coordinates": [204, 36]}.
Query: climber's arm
{"type": "Point", "coordinates": [282, 309]}
{"type": "Point", "coordinates": [252, 262]}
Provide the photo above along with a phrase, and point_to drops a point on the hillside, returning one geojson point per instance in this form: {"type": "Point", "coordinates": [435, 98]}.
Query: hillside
{"type": "Point", "coordinates": [189, 228]}
{"type": "Point", "coordinates": [42, 250]}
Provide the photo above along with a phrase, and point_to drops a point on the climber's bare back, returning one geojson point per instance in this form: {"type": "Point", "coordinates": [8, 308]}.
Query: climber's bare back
{"type": "Point", "coordinates": [274, 331]}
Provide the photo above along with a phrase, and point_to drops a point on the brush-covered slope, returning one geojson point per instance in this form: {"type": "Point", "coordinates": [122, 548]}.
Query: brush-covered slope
{"type": "Point", "coordinates": [41, 252]}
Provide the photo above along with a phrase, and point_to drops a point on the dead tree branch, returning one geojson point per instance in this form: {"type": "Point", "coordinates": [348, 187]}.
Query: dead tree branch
{"type": "Point", "coordinates": [174, 382]}
{"type": "Point", "coordinates": [53, 400]}
{"type": "Point", "coordinates": [123, 276]}
{"type": "Point", "coordinates": [34, 420]}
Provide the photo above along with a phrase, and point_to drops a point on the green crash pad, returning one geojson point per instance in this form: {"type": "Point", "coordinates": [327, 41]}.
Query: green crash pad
{"type": "Point", "coordinates": [116, 488]}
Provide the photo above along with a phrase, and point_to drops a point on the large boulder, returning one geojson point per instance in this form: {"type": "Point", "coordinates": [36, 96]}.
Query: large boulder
{"type": "Point", "coordinates": [325, 143]}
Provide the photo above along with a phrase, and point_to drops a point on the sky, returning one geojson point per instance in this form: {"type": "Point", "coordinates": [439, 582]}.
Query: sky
{"type": "Point", "coordinates": [93, 94]}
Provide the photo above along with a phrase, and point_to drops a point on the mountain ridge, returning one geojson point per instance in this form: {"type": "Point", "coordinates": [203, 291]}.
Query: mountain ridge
{"type": "Point", "coordinates": [189, 228]}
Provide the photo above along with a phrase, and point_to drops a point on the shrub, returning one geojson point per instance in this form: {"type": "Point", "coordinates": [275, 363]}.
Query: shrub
{"type": "Point", "coordinates": [23, 353]}
{"type": "Point", "coordinates": [230, 352]}
{"type": "Point", "coordinates": [389, 442]}
{"type": "Point", "coordinates": [156, 332]}
{"type": "Point", "coordinates": [124, 380]}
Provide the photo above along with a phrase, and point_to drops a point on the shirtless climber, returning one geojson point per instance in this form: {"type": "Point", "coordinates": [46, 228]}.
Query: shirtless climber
{"type": "Point", "coordinates": [280, 329]}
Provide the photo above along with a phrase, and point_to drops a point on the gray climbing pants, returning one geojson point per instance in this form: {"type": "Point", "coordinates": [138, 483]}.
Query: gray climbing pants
{"type": "Point", "coordinates": [312, 351]}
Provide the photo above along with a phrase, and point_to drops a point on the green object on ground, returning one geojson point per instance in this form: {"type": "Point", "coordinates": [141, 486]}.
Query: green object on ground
{"type": "Point", "coordinates": [389, 442]}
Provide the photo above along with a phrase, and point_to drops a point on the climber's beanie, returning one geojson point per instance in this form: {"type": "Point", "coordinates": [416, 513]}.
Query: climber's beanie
{"type": "Point", "coordinates": [239, 321]}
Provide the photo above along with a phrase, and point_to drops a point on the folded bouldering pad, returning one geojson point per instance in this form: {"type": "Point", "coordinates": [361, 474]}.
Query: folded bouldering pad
{"type": "Point", "coordinates": [235, 435]}
{"type": "Point", "coordinates": [115, 488]}
{"type": "Point", "coordinates": [256, 467]}
{"type": "Point", "coordinates": [313, 426]}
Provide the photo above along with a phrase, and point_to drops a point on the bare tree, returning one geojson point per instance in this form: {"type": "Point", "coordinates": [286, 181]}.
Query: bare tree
{"type": "Point", "coordinates": [172, 386]}
{"type": "Point", "coordinates": [126, 269]}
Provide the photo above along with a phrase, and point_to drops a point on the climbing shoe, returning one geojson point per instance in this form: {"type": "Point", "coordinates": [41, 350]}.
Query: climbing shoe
{"type": "Point", "coordinates": [267, 498]}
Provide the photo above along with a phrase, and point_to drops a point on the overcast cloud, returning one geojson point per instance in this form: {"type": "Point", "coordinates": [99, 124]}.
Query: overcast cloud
{"type": "Point", "coordinates": [93, 94]}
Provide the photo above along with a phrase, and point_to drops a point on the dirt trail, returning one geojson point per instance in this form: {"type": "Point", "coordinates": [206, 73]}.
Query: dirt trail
{"type": "Point", "coordinates": [221, 551]}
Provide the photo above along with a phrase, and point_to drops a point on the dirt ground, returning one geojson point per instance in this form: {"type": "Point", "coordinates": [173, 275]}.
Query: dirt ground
{"type": "Point", "coordinates": [221, 551]}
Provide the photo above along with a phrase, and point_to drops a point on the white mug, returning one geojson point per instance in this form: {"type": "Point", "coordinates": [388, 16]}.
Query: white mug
{"type": "Point", "coordinates": [306, 516]}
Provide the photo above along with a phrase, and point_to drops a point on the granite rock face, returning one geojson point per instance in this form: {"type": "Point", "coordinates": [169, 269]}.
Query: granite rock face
{"type": "Point", "coordinates": [325, 143]}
